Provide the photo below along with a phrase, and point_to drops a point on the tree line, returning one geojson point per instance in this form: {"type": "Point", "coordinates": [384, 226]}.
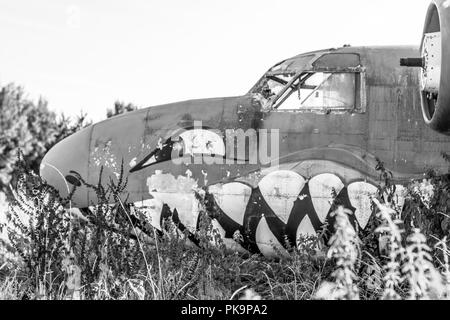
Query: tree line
{"type": "Point", "coordinates": [33, 128]}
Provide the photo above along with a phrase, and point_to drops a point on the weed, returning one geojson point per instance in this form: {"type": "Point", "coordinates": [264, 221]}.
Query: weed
{"type": "Point", "coordinates": [111, 250]}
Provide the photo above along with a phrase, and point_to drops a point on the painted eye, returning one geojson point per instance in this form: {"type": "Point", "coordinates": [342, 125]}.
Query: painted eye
{"type": "Point", "coordinates": [162, 153]}
{"type": "Point", "coordinates": [191, 142]}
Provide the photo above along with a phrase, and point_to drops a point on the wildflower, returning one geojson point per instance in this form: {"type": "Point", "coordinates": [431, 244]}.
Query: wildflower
{"type": "Point", "coordinates": [425, 190]}
{"type": "Point", "coordinates": [344, 250]}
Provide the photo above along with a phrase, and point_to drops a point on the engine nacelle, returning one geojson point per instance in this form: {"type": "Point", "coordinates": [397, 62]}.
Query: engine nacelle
{"type": "Point", "coordinates": [435, 79]}
{"type": "Point", "coordinates": [435, 67]}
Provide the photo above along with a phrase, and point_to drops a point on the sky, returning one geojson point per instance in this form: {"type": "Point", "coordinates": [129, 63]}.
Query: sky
{"type": "Point", "coordinates": [84, 55]}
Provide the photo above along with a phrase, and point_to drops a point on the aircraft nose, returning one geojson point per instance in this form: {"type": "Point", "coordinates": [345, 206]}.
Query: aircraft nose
{"type": "Point", "coordinates": [70, 154]}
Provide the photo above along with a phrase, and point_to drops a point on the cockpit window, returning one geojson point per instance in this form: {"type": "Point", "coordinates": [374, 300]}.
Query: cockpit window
{"type": "Point", "coordinates": [270, 87]}
{"type": "Point", "coordinates": [321, 90]}
{"type": "Point", "coordinates": [279, 76]}
{"type": "Point", "coordinates": [333, 82]}
{"type": "Point", "coordinates": [292, 66]}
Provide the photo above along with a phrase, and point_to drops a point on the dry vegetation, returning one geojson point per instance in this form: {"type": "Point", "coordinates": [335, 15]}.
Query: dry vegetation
{"type": "Point", "coordinates": [55, 254]}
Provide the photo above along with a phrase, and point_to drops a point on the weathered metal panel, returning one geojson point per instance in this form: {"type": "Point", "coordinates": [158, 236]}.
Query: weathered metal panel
{"type": "Point", "coordinates": [338, 61]}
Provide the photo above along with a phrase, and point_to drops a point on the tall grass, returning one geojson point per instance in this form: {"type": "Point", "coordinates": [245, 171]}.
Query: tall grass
{"type": "Point", "coordinates": [112, 252]}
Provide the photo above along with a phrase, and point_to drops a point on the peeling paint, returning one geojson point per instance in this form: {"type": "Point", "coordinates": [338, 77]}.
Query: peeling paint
{"type": "Point", "coordinates": [166, 182]}
{"type": "Point", "coordinates": [103, 156]}
{"type": "Point", "coordinates": [177, 193]}
{"type": "Point", "coordinates": [133, 162]}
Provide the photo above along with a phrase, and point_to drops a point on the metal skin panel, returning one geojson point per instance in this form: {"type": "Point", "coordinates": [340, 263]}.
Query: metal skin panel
{"type": "Point", "coordinates": [337, 61]}
{"type": "Point", "coordinates": [255, 207]}
{"type": "Point", "coordinates": [431, 53]}
{"type": "Point", "coordinates": [436, 66]}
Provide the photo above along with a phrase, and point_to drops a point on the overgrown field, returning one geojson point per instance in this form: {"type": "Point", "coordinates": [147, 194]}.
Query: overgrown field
{"type": "Point", "coordinates": [53, 253]}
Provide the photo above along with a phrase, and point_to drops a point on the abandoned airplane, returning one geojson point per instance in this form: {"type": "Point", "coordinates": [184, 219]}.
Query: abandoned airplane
{"type": "Point", "coordinates": [272, 162]}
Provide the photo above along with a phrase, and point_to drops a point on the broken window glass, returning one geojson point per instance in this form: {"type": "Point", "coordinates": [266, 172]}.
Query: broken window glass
{"type": "Point", "coordinates": [269, 88]}
{"type": "Point", "coordinates": [276, 79]}
{"type": "Point", "coordinates": [320, 90]}
{"type": "Point", "coordinates": [293, 65]}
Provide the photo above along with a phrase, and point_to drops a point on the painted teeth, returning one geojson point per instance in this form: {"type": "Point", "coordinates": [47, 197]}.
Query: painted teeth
{"type": "Point", "coordinates": [232, 198]}
{"type": "Point", "coordinates": [359, 194]}
{"type": "Point", "coordinates": [280, 190]}
{"type": "Point", "coordinates": [321, 188]}
{"type": "Point", "coordinates": [231, 244]}
{"type": "Point", "coordinates": [266, 241]}
{"type": "Point", "coordinates": [186, 205]}
{"type": "Point", "coordinates": [152, 208]}
{"type": "Point", "coordinates": [290, 207]}
{"type": "Point", "coordinates": [305, 228]}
